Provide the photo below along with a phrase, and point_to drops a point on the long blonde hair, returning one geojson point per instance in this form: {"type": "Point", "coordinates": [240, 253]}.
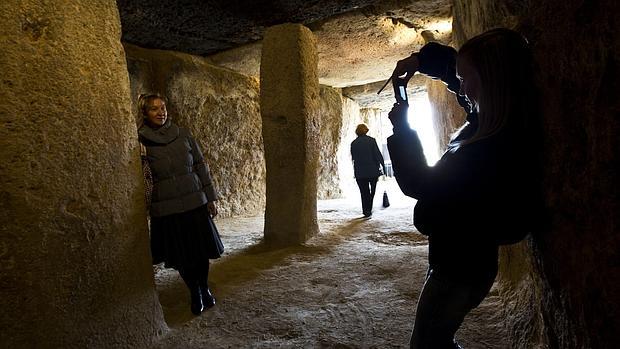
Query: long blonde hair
{"type": "Point", "coordinates": [503, 60]}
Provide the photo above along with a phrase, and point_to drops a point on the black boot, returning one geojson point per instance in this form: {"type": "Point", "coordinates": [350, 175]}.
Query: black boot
{"type": "Point", "coordinates": [191, 281]}
{"type": "Point", "coordinates": [196, 307]}
{"type": "Point", "coordinates": [203, 281]}
{"type": "Point", "coordinates": [207, 298]}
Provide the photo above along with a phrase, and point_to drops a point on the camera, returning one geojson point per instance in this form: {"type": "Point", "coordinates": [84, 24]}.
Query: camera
{"type": "Point", "coordinates": [400, 91]}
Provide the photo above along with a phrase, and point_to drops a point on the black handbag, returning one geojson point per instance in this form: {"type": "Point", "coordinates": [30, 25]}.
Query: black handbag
{"type": "Point", "coordinates": [386, 201]}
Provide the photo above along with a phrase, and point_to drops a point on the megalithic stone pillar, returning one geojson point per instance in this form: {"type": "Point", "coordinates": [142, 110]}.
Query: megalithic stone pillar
{"type": "Point", "coordinates": [289, 91]}
{"type": "Point", "coordinates": [75, 267]}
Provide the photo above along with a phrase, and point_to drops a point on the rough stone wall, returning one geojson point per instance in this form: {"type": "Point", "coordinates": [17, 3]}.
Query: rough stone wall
{"type": "Point", "coordinates": [376, 124]}
{"type": "Point", "coordinates": [522, 295]}
{"type": "Point", "coordinates": [380, 128]}
{"type": "Point", "coordinates": [571, 268]}
{"type": "Point", "coordinates": [447, 114]}
{"type": "Point", "coordinates": [221, 109]}
{"type": "Point", "coordinates": [74, 258]}
{"type": "Point", "coordinates": [330, 120]}
{"type": "Point", "coordinates": [350, 118]}
{"type": "Point", "coordinates": [290, 113]}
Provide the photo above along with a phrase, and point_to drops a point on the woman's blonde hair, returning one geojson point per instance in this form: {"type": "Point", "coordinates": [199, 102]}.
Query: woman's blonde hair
{"type": "Point", "coordinates": [503, 60]}
{"type": "Point", "coordinates": [361, 129]}
{"type": "Point", "coordinates": [145, 99]}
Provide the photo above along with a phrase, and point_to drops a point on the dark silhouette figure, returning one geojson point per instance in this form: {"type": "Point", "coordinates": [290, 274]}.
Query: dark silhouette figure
{"type": "Point", "coordinates": [478, 194]}
{"type": "Point", "coordinates": [182, 202]}
{"type": "Point", "coordinates": [367, 165]}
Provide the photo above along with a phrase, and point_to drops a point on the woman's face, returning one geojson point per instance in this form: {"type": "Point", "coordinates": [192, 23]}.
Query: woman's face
{"type": "Point", "coordinates": [470, 81]}
{"type": "Point", "coordinates": [156, 113]}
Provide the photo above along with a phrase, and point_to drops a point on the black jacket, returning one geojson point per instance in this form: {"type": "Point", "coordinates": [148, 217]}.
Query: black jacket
{"type": "Point", "coordinates": [472, 194]}
{"type": "Point", "coordinates": [367, 158]}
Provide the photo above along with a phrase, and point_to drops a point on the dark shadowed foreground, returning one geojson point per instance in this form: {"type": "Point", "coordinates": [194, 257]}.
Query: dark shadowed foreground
{"type": "Point", "coordinates": [353, 286]}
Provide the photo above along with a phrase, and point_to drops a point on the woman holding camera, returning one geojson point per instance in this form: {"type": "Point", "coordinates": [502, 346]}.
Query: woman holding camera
{"type": "Point", "coordinates": [477, 194]}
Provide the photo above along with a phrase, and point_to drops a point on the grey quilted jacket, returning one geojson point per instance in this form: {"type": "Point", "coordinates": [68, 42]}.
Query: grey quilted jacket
{"type": "Point", "coordinates": [181, 178]}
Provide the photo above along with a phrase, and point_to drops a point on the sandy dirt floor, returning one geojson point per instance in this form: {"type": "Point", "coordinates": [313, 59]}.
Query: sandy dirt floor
{"type": "Point", "coordinates": [355, 285]}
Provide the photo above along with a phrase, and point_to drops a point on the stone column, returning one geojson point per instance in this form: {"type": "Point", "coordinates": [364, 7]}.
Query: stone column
{"type": "Point", "coordinates": [74, 259]}
{"type": "Point", "coordinates": [289, 105]}
{"type": "Point", "coordinates": [447, 115]}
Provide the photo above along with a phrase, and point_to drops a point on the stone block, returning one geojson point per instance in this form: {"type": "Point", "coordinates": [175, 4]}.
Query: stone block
{"type": "Point", "coordinates": [289, 109]}
{"type": "Point", "coordinates": [74, 251]}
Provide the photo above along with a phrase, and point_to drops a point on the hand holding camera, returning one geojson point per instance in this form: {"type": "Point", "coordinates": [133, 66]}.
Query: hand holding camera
{"type": "Point", "coordinates": [401, 75]}
{"type": "Point", "coordinates": [403, 72]}
{"type": "Point", "coordinates": [405, 68]}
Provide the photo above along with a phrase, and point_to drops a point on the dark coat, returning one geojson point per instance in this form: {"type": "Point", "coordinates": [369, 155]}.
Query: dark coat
{"type": "Point", "coordinates": [367, 158]}
{"type": "Point", "coordinates": [181, 178]}
{"type": "Point", "coordinates": [473, 193]}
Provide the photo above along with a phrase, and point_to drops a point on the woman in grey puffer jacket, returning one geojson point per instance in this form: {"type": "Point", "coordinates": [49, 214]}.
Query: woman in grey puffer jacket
{"type": "Point", "coordinates": [182, 201]}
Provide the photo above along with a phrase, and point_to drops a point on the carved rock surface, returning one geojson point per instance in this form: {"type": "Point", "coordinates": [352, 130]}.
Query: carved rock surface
{"type": "Point", "coordinates": [290, 113]}
{"type": "Point", "coordinates": [331, 122]}
{"type": "Point", "coordinates": [361, 46]}
{"type": "Point", "coordinates": [447, 116]}
{"type": "Point", "coordinates": [359, 41]}
{"type": "Point", "coordinates": [75, 267]}
{"type": "Point", "coordinates": [203, 27]}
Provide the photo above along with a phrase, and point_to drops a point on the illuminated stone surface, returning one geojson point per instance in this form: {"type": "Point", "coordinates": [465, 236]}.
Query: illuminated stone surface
{"type": "Point", "coordinates": [75, 263]}
{"type": "Point", "coordinates": [289, 108]}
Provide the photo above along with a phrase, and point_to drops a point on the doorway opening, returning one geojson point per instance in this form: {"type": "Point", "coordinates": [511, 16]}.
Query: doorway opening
{"type": "Point", "coordinates": [421, 119]}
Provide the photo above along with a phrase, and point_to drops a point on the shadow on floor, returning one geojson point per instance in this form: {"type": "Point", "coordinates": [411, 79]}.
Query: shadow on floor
{"type": "Point", "coordinates": [242, 267]}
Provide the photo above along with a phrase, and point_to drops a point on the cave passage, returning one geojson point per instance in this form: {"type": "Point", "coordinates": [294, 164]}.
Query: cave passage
{"type": "Point", "coordinates": [354, 285]}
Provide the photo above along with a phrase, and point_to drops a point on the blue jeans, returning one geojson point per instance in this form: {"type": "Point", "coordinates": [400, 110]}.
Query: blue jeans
{"type": "Point", "coordinates": [442, 306]}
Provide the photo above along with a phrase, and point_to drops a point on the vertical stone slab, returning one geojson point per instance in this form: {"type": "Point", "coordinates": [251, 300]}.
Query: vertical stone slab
{"type": "Point", "coordinates": [330, 114]}
{"type": "Point", "coordinates": [289, 104]}
{"type": "Point", "coordinates": [74, 259]}
{"type": "Point", "coordinates": [447, 116]}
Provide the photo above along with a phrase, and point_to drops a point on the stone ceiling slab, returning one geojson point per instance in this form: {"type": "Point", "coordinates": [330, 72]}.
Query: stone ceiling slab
{"type": "Point", "coordinates": [359, 41]}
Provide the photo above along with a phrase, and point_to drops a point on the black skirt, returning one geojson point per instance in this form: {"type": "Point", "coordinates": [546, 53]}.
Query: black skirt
{"type": "Point", "coordinates": [185, 240]}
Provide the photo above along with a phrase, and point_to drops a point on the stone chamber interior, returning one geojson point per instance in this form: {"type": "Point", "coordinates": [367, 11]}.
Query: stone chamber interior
{"type": "Point", "coordinates": [74, 253]}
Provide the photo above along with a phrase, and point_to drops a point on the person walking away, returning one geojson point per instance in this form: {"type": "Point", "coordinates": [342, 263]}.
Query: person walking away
{"type": "Point", "coordinates": [368, 165]}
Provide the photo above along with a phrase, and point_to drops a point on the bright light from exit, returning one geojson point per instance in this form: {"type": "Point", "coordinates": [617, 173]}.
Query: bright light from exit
{"type": "Point", "coordinates": [420, 119]}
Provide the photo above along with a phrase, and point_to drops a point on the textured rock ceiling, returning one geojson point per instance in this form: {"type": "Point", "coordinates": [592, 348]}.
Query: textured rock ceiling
{"type": "Point", "coordinates": [359, 41]}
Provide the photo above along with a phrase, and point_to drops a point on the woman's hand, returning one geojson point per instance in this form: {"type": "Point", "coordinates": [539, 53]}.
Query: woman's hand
{"type": "Point", "coordinates": [212, 208]}
{"type": "Point", "coordinates": [405, 68]}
